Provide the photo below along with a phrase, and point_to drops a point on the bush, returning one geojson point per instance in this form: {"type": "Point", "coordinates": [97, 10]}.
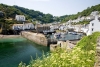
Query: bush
{"type": "Point", "coordinates": [83, 55]}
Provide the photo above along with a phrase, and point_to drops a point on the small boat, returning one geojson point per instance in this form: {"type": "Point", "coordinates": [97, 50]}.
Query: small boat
{"type": "Point", "coordinates": [56, 35]}
{"type": "Point", "coordinates": [62, 36]}
{"type": "Point", "coordinates": [73, 33]}
{"type": "Point", "coordinates": [69, 32]}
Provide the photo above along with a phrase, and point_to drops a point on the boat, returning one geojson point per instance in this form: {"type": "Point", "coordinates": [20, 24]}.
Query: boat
{"type": "Point", "coordinates": [57, 35]}
{"type": "Point", "coordinates": [73, 33]}
{"type": "Point", "coordinates": [62, 36]}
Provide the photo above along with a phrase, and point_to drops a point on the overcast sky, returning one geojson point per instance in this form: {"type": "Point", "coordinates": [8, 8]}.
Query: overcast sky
{"type": "Point", "coordinates": [54, 7]}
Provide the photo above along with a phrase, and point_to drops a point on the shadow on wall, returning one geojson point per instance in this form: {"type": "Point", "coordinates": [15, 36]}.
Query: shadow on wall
{"type": "Point", "coordinates": [10, 32]}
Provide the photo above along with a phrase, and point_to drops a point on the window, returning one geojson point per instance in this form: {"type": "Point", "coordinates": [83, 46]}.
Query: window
{"type": "Point", "coordinates": [92, 29]}
{"type": "Point", "coordinates": [99, 19]}
{"type": "Point", "coordinates": [92, 24]}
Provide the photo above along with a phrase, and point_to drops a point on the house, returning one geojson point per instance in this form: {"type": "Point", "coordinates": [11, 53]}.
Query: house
{"type": "Point", "coordinates": [63, 27]}
{"type": "Point", "coordinates": [18, 27]}
{"type": "Point", "coordinates": [44, 29]}
{"type": "Point", "coordinates": [20, 17]}
{"type": "Point", "coordinates": [78, 19]}
{"type": "Point", "coordinates": [85, 28]}
{"type": "Point", "coordinates": [69, 21]}
{"type": "Point", "coordinates": [26, 26]}
{"type": "Point", "coordinates": [82, 18]}
{"type": "Point", "coordinates": [41, 28]}
{"type": "Point", "coordinates": [54, 27]}
{"type": "Point", "coordinates": [94, 25]}
{"type": "Point", "coordinates": [77, 28]}
{"type": "Point", "coordinates": [94, 13]}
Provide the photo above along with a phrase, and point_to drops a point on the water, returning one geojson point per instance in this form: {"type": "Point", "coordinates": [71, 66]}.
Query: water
{"type": "Point", "coordinates": [15, 50]}
{"type": "Point", "coordinates": [68, 37]}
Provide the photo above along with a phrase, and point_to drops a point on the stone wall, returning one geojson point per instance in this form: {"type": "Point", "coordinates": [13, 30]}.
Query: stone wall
{"type": "Point", "coordinates": [53, 47]}
{"type": "Point", "coordinates": [63, 44]}
{"type": "Point", "coordinates": [98, 46]}
{"type": "Point", "coordinates": [97, 64]}
{"type": "Point", "coordinates": [35, 37]}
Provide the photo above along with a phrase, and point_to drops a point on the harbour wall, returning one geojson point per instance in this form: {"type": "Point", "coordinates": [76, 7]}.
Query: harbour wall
{"type": "Point", "coordinates": [35, 37]}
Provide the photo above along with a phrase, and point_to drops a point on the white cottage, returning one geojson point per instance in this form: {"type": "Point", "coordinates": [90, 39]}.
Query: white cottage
{"type": "Point", "coordinates": [63, 27]}
{"type": "Point", "coordinates": [94, 25]}
{"type": "Point", "coordinates": [28, 26]}
{"type": "Point", "coordinates": [94, 13]}
{"type": "Point", "coordinates": [18, 27]}
{"type": "Point", "coordinates": [20, 17]}
{"type": "Point", "coordinates": [25, 26]}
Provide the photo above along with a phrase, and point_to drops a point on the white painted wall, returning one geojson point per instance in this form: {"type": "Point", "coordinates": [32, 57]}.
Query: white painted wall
{"type": "Point", "coordinates": [17, 27]}
{"type": "Point", "coordinates": [20, 17]}
{"type": "Point", "coordinates": [28, 26]}
{"type": "Point", "coordinates": [23, 26]}
{"type": "Point", "coordinates": [94, 26]}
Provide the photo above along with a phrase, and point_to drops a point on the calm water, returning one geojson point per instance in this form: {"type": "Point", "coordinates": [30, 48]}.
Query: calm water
{"type": "Point", "coordinates": [15, 50]}
{"type": "Point", "coordinates": [68, 36]}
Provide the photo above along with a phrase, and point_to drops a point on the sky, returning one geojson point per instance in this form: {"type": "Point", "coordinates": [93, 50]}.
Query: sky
{"type": "Point", "coordinates": [54, 7]}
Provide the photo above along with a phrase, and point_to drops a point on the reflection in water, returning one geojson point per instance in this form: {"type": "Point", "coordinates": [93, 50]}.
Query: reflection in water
{"type": "Point", "coordinates": [15, 50]}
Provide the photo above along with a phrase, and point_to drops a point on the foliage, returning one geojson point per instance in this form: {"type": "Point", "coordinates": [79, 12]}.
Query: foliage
{"type": "Point", "coordinates": [1, 14]}
{"type": "Point", "coordinates": [11, 11]}
{"type": "Point", "coordinates": [7, 16]}
{"type": "Point", "coordinates": [83, 55]}
{"type": "Point", "coordinates": [85, 12]}
{"type": "Point", "coordinates": [83, 22]}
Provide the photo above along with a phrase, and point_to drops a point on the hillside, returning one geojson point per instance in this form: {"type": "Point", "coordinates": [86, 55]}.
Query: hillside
{"type": "Point", "coordinates": [85, 12]}
{"type": "Point", "coordinates": [37, 14]}
{"type": "Point", "coordinates": [11, 11]}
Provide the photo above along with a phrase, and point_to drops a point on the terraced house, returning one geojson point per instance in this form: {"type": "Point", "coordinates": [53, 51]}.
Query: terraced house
{"type": "Point", "coordinates": [26, 26]}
